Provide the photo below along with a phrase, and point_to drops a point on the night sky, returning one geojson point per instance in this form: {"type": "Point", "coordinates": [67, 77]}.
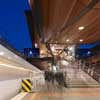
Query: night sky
{"type": "Point", "coordinates": [13, 25]}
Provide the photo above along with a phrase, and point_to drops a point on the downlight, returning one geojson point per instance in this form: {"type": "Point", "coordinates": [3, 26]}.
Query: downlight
{"type": "Point", "coordinates": [81, 28]}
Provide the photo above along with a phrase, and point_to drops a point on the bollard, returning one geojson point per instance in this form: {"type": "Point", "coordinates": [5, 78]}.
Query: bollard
{"type": "Point", "coordinates": [26, 85]}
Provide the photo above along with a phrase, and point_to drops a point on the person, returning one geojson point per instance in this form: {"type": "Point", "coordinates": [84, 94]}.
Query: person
{"type": "Point", "coordinates": [60, 79]}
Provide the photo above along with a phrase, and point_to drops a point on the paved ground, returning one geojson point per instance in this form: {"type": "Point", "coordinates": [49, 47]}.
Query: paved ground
{"type": "Point", "coordinates": [69, 94]}
{"type": "Point", "coordinates": [78, 78]}
{"type": "Point", "coordinates": [75, 91]}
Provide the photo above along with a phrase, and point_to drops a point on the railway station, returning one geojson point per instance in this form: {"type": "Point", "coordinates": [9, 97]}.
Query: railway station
{"type": "Point", "coordinates": [63, 61]}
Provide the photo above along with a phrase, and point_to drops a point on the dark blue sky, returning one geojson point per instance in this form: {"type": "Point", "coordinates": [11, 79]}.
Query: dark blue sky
{"type": "Point", "coordinates": [13, 25]}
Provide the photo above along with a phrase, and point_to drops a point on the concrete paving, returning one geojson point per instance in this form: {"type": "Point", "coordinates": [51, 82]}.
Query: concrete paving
{"type": "Point", "coordinates": [77, 79]}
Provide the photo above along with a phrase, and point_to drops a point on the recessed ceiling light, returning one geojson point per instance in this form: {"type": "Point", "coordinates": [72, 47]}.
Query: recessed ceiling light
{"type": "Point", "coordinates": [67, 40]}
{"type": "Point", "coordinates": [53, 48]}
{"type": "Point", "coordinates": [81, 28]}
{"type": "Point", "coordinates": [41, 52]}
{"type": "Point", "coordinates": [81, 40]}
{"type": "Point", "coordinates": [1, 53]}
{"type": "Point", "coordinates": [36, 45]}
{"type": "Point", "coordinates": [31, 52]}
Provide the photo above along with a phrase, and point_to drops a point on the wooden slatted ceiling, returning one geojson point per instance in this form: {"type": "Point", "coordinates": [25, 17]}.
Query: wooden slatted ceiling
{"type": "Point", "coordinates": [77, 9]}
{"type": "Point", "coordinates": [57, 15]}
{"type": "Point", "coordinates": [45, 11]}
{"type": "Point", "coordinates": [91, 23]}
{"type": "Point", "coordinates": [97, 6]}
{"type": "Point", "coordinates": [91, 31]}
{"type": "Point", "coordinates": [85, 2]}
{"type": "Point", "coordinates": [57, 12]}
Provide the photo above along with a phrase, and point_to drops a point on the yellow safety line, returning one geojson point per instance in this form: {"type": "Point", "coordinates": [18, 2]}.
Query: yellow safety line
{"type": "Point", "coordinates": [29, 84]}
{"type": "Point", "coordinates": [25, 87]}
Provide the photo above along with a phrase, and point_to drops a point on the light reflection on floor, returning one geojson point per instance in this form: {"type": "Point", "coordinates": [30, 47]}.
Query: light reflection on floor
{"type": "Point", "coordinates": [77, 93]}
{"type": "Point", "coordinates": [68, 94]}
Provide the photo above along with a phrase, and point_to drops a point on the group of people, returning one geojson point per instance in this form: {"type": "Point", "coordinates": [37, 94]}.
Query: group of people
{"type": "Point", "coordinates": [59, 77]}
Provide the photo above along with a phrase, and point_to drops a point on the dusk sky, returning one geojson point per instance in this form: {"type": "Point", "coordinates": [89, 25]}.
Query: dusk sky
{"type": "Point", "coordinates": [13, 25]}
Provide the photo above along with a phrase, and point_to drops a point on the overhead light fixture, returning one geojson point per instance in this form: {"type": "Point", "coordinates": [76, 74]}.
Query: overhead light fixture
{"type": "Point", "coordinates": [70, 48]}
{"type": "Point", "coordinates": [81, 40]}
{"type": "Point", "coordinates": [54, 68]}
{"type": "Point", "coordinates": [1, 53]}
{"type": "Point", "coordinates": [81, 28]}
{"type": "Point", "coordinates": [64, 62]}
{"type": "Point", "coordinates": [36, 45]}
{"type": "Point", "coordinates": [53, 48]}
{"type": "Point", "coordinates": [88, 52]}
{"type": "Point", "coordinates": [42, 51]}
{"type": "Point", "coordinates": [31, 52]}
{"type": "Point", "coordinates": [67, 40]}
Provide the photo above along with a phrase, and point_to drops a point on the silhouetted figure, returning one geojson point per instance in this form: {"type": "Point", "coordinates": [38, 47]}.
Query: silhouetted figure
{"type": "Point", "coordinates": [60, 79]}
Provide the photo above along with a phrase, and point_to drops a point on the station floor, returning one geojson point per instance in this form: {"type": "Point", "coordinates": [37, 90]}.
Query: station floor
{"type": "Point", "coordinates": [80, 87]}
